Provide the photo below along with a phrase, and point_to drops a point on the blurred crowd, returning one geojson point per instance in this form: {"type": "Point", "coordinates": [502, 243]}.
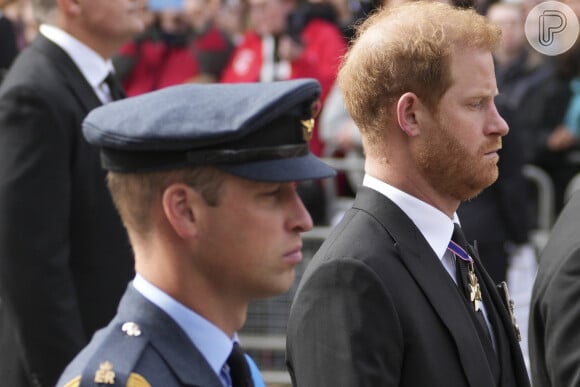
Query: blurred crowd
{"type": "Point", "coordinates": [267, 40]}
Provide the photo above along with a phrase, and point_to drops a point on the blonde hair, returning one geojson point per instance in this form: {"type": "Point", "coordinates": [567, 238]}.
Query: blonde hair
{"type": "Point", "coordinates": [135, 193]}
{"type": "Point", "coordinates": [406, 49]}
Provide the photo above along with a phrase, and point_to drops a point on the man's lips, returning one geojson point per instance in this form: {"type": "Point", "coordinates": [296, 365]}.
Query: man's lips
{"type": "Point", "coordinates": [294, 255]}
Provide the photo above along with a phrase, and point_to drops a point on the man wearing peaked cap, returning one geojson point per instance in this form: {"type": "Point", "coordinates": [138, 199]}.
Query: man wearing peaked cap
{"type": "Point", "coordinates": [203, 177]}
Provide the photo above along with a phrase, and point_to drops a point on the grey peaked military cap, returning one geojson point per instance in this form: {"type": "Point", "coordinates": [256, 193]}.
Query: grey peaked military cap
{"type": "Point", "coordinates": [257, 131]}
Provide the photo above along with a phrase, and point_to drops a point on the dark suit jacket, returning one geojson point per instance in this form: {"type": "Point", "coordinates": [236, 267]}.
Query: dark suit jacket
{"type": "Point", "coordinates": [376, 307]}
{"type": "Point", "coordinates": [161, 353]}
{"type": "Point", "coordinates": [554, 325]}
{"type": "Point", "coordinates": [64, 256]}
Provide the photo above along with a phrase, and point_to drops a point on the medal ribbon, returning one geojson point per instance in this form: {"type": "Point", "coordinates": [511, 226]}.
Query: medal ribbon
{"type": "Point", "coordinates": [459, 251]}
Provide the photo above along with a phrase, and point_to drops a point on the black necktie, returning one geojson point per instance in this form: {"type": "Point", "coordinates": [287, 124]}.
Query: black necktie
{"type": "Point", "coordinates": [466, 278]}
{"type": "Point", "coordinates": [239, 370]}
{"type": "Point", "coordinates": [115, 87]}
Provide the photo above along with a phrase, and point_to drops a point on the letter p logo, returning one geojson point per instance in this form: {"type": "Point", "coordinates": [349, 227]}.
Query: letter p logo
{"type": "Point", "coordinates": [552, 27]}
{"type": "Point", "coordinates": [552, 22]}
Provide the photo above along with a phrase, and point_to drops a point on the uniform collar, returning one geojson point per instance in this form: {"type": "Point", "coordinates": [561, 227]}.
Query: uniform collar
{"type": "Point", "coordinates": [212, 342]}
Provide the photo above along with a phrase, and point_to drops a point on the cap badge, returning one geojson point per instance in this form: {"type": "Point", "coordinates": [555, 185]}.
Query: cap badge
{"type": "Point", "coordinates": [105, 374]}
{"type": "Point", "coordinates": [307, 129]}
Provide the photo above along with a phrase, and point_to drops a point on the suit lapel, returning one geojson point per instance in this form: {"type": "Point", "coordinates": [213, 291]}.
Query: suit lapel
{"type": "Point", "coordinates": [430, 275]}
{"type": "Point", "coordinates": [68, 70]}
{"type": "Point", "coordinates": [169, 339]}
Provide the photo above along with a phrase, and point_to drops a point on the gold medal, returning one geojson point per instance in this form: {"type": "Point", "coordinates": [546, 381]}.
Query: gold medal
{"type": "Point", "coordinates": [509, 304]}
{"type": "Point", "coordinates": [474, 289]}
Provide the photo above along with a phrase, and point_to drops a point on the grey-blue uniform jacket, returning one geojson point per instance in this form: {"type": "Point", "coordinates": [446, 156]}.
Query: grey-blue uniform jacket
{"type": "Point", "coordinates": [142, 346]}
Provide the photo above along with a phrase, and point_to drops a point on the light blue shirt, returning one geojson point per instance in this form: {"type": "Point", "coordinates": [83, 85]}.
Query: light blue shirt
{"type": "Point", "coordinates": [212, 342]}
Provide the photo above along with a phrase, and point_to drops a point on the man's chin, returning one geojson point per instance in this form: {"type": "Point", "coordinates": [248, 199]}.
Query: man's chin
{"type": "Point", "coordinates": [475, 190]}
{"type": "Point", "coordinates": [471, 191]}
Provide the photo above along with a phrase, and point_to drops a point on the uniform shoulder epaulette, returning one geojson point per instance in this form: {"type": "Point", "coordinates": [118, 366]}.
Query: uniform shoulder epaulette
{"type": "Point", "coordinates": [114, 359]}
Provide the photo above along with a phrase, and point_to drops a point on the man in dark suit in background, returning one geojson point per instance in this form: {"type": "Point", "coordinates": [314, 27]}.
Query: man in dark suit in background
{"type": "Point", "coordinates": [395, 296]}
{"type": "Point", "coordinates": [554, 338]}
{"type": "Point", "coordinates": [64, 257]}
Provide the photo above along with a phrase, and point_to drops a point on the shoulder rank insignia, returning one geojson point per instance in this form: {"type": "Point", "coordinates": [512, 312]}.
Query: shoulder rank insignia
{"type": "Point", "coordinates": [105, 374]}
{"type": "Point", "coordinates": [131, 329]}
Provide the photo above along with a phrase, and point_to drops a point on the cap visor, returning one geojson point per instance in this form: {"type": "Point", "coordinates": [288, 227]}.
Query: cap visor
{"type": "Point", "coordinates": [307, 167]}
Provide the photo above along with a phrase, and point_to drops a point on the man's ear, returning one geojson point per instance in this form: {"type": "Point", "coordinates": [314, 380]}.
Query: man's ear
{"type": "Point", "coordinates": [408, 108]}
{"type": "Point", "coordinates": [179, 203]}
{"type": "Point", "coordinates": [69, 7]}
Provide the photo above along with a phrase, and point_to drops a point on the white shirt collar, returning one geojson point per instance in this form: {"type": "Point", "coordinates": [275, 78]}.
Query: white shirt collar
{"type": "Point", "coordinates": [435, 226]}
{"type": "Point", "coordinates": [93, 67]}
{"type": "Point", "coordinates": [212, 342]}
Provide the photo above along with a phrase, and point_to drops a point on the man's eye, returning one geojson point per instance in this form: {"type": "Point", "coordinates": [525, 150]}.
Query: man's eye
{"type": "Point", "coordinates": [477, 104]}
{"type": "Point", "coordinates": [273, 192]}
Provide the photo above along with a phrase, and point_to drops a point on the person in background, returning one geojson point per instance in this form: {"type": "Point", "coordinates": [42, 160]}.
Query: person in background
{"type": "Point", "coordinates": [8, 43]}
{"type": "Point", "coordinates": [210, 45]}
{"type": "Point", "coordinates": [553, 146]}
{"type": "Point", "coordinates": [232, 19]}
{"type": "Point", "coordinates": [396, 296]}
{"type": "Point", "coordinates": [64, 258]}
{"type": "Point", "coordinates": [559, 150]}
{"type": "Point", "coordinates": [204, 179]}
{"type": "Point", "coordinates": [500, 219]}
{"type": "Point", "coordinates": [349, 13]}
{"type": "Point", "coordinates": [553, 325]}
{"type": "Point", "coordinates": [21, 13]}
{"type": "Point", "coordinates": [285, 43]}
{"type": "Point", "coordinates": [182, 45]}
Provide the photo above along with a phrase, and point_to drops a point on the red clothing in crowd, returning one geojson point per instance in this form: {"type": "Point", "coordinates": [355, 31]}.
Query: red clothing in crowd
{"type": "Point", "coordinates": [159, 64]}
{"type": "Point", "coordinates": [323, 48]}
